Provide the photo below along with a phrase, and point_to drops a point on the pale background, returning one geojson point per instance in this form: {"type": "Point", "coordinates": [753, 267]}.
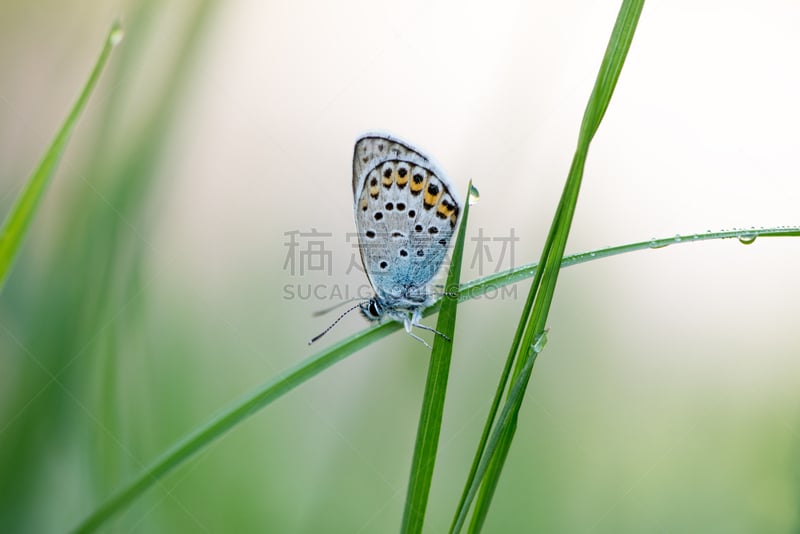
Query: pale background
{"type": "Point", "coordinates": [666, 399]}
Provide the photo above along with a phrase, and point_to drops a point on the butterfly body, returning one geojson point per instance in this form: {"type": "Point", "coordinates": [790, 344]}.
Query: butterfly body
{"type": "Point", "coordinates": [406, 212]}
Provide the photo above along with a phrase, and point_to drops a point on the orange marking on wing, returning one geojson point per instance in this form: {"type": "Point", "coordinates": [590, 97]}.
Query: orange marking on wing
{"type": "Point", "coordinates": [446, 211]}
{"type": "Point", "coordinates": [387, 181]}
{"type": "Point", "coordinates": [431, 200]}
{"type": "Point", "coordinates": [416, 188]}
{"type": "Point", "coordinates": [402, 180]}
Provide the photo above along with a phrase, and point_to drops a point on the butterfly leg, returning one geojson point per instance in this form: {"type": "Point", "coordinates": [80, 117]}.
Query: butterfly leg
{"type": "Point", "coordinates": [408, 322]}
{"type": "Point", "coordinates": [420, 340]}
{"type": "Point", "coordinates": [413, 321]}
{"type": "Point", "coordinates": [429, 329]}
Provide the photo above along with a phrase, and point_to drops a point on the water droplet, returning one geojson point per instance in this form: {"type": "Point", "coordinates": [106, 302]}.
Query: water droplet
{"type": "Point", "coordinates": [116, 36]}
{"type": "Point", "coordinates": [654, 243]}
{"type": "Point", "coordinates": [677, 238]}
{"type": "Point", "coordinates": [747, 239]}
{"type": "Point", "coordinates": [474, 195]}
{"type": "Point", "coordinates": [540, 342]}
{"type": "Point", "coordinates": [695, 236]}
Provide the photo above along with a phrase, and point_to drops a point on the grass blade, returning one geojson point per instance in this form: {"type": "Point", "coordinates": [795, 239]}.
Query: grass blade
{"type": "Point", "coordinates": [295, 376]}
{"type": "Point", "coordinates": [240, 410]}
{"type": "Point", "coordinates": [543, 286]}
{"type": "Point", "coordinates": [430, 421]}
{"type": "Point", "coordinates": [506, 422]}
{"type": "Point", "coordinates": [19, 218]}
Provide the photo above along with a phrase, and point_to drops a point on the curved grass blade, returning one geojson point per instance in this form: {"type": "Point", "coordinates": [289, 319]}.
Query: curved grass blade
{"type": "Point", "coordinates": [481, 286]}
{"type": "Point", "coordinates": [532, 323]}
{"type": "Point", "coordinates": [430, 420]}
{"type": "Point", "coordinates": [229, 418]}
{"type": "Point", "coordinates": [307, 369]}
{"type": "Point", "coordinates": [19, 218]}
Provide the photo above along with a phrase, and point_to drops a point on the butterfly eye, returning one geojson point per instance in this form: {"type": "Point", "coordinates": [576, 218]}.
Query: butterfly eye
{"type": "Point", "coordinates": [373, 309]}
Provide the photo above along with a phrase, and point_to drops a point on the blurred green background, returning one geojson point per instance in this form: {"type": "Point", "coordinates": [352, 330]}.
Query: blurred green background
{"type": "Point", "coordinates": [157, 285]}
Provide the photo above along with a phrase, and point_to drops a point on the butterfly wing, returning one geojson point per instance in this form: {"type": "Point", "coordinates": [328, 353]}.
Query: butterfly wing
{"type": "Point", "coordinates": [406, 211]}
{"type": "Point", "coordinates": [373, 149]}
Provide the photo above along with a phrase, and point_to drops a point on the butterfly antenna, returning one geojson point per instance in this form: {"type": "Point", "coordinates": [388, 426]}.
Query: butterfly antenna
{"type": "Point", "coordinates": [313, 339]}
{"type": "Point", "coordinates": [326, 310]}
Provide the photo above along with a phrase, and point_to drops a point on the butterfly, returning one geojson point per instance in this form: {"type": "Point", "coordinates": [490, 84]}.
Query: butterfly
{"type": "Point", "coordinates": [406, 212]}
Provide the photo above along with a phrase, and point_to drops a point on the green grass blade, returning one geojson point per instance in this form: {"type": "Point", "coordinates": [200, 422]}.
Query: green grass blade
{"type": "Point", "coordinates": [543, 287]}
{"type": "Point", "coordinates": [488, 474]}
{"type": "Point", "coordinates": [472, 478]}
{"type": "Point", "coordinates": [506, 422]}
{"type": "Point", "coordinates": [314, 365]}
{"type": "Point", "coordinates": [468, 492]}
{"type": "Point", "coordinates": [493, 282]}
{"type": "Point", "coordinates": [240, 410]}
{"type": "Point", "coordinates": [430, 421]}
{"type": "Point", "coordinates": [19, 218]}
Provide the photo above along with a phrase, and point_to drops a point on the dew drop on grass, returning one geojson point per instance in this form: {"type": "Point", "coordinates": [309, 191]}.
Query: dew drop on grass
{"type": "Point", "coordinates": [654, 243]}
{"type": "Point", "coordinates": [747, 239]}
{"type": "Point", "coordinates": [474, 195]}
{"type": "Point", "coordinates": [116, 36]}
{"type": "Point", "coordinates": [540, 342]}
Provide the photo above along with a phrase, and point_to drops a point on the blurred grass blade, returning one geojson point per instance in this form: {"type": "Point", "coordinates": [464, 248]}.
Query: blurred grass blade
{"type": "Point", "coordinates": [307, 369]}
{"type": "Point", "coordinates": [19, 218]}
{"type": "Point", "coordinates": [543, 286]}
{"type": "Point", "coordinates": [430, 421]}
